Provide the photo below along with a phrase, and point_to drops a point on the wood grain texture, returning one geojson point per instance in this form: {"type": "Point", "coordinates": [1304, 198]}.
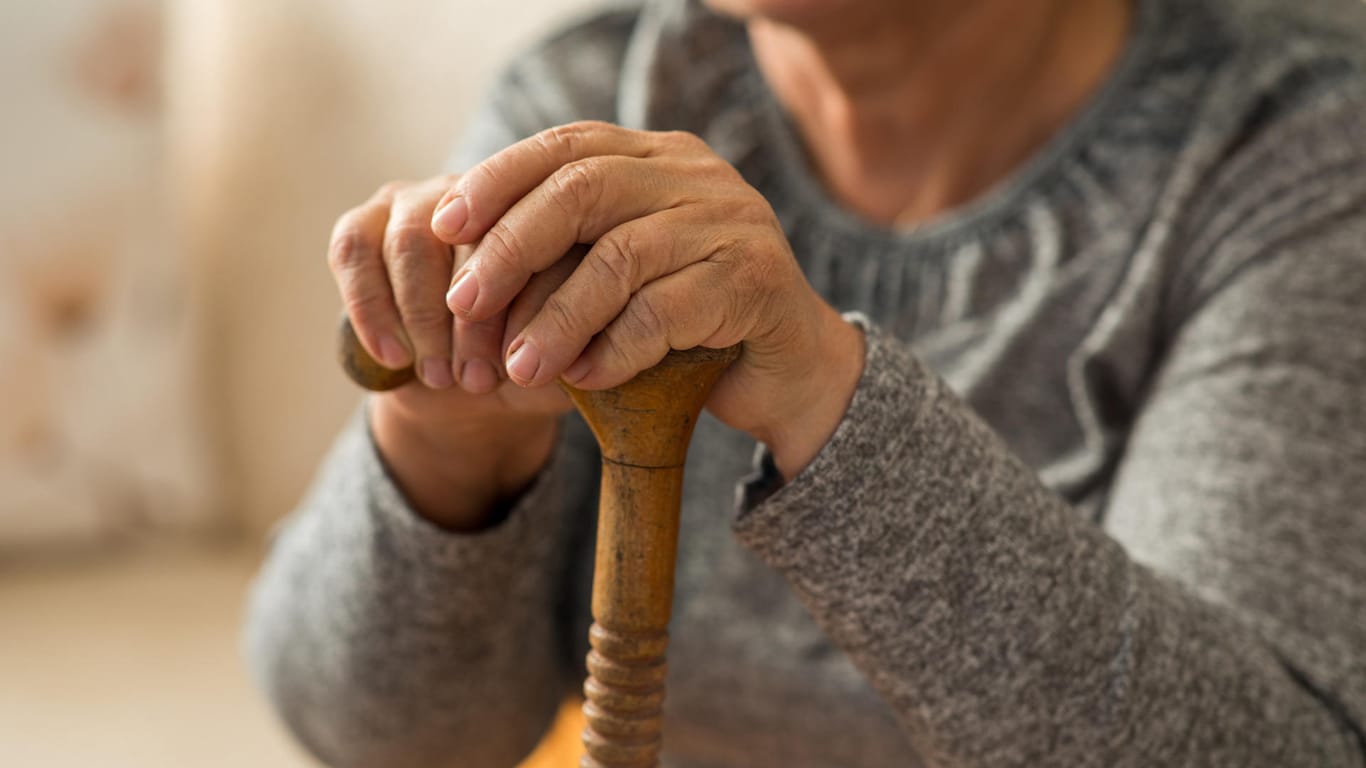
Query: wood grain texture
{"type": "Point", "coordinates": [643, 428]}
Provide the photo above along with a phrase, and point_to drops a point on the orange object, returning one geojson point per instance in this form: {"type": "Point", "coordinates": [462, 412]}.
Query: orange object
{"type": "Point", "coordinates": [560, 747]}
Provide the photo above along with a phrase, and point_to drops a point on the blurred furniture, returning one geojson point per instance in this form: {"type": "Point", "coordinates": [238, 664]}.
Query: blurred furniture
{"type": "Point", "coordinates": [281, 116]}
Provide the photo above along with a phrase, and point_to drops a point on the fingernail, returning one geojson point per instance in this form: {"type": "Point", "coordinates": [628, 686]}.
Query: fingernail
{"type": "Point", "coordinates": [575, 373]}
{"type": "Point", "coordinates": [460, 298]}
{"type": "Point", "coordinates": [436, 373]}
{"type": "Point", "coordinates": [524, 363]}
{"type": "Point", "coordinates": [478, 377]}
{"type": "Point", "coordinates": [393, 355]}
{"type": "Point", "coordinates": [450, 218]}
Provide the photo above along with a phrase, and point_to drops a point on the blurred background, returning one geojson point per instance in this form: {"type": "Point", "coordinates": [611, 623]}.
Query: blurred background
{"type": "Point", "coordinates": [169, 173]}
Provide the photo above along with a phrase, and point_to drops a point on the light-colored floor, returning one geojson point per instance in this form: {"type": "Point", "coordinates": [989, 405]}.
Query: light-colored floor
{"type": "Point", "coordinates": [132, 662]}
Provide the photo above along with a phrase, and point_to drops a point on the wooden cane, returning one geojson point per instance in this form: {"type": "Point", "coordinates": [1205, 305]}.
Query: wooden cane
{"type": "Point", "coordinates": [643, 428]}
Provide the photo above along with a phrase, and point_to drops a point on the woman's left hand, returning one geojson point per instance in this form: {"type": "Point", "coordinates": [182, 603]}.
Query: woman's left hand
{"type": "Point", "coordinates": [684, 254]}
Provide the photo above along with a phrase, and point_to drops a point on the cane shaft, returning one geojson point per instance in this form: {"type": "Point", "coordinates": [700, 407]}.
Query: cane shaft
{"type": "Point", "coordinates": [643, 428]}
{"type": "Point", "coordinates": [633, 579]}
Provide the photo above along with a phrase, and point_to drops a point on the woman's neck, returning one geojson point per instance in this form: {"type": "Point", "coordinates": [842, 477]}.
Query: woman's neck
{"type": "Point", "coordinates": [908, 109]}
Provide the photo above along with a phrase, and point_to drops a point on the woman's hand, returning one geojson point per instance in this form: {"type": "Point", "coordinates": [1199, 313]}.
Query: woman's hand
{"type": "Point", "coordinates": [685, 254]}
{"type": "Point", "coordinates": [455, 452]}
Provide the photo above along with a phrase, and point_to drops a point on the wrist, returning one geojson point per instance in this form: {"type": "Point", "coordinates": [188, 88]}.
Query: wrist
{"type": "Point", "coordinates": [820, 395]}
{"type": "Point", "coordinates": [456, 472]}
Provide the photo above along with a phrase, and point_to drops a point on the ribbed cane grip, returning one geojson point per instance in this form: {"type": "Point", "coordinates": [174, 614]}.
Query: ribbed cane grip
{"type": "Point", "coordinates": [625, 699]}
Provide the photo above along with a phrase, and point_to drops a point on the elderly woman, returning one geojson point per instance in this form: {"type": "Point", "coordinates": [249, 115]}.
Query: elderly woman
{"type": "Point", "coordinates": [1047, 443]}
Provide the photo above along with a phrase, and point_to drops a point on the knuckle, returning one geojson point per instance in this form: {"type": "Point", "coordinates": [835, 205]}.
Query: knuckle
{"type": "Point", "coordinates": [365, 307]}
{"type": "Point", "coordinates": [424, 316]}
{"type": "Point", "coordinates": [614, 257]}
{"type": "Point", "coordinates": [406, 240]}
{"type": "Point", "coordinates": [578, 185]}
{"type": "Point", "coordinates": [617, 352]}
{"type": "Point", "coordinates": [745, 249]}
{"type": "Point", "coordinates": [737, 270]}
{"type": "Point", "coordinates": [643, 317]}
{"type": "Point", "coordinates": [570, 136]}
{"type": "Point", "coordinates": [560, 140]}
{"type": "Point", "coordinates": [735, 259]}
{"type": "Point", "coordinates": [728, 248]}
{"type": "Point", "coordinates": [757, 275]}
{"type": "Point", "coordinates": [558, 313]}
{"type": "Point", "coordinates": [760, 288]}
{"type": "Point", "coordinates": [754, 287]}
{"type": "Point", "coordinates": [349, 249]}
{"type": "Point", "coordinates": [500, 245]}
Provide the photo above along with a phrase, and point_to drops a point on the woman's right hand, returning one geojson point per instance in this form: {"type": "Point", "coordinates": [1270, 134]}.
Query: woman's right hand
{"type": "Point", "coordinates": [462, 438]}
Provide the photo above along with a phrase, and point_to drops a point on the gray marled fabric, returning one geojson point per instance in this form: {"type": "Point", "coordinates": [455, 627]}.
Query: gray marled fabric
{"type": "Point", "coordinates": [1099, 499]}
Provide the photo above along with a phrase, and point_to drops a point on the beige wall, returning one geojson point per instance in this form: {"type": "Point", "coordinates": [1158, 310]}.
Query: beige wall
{"type": "Point", "coordinates": [99, 411]}
{"type": "Point", "coordinates": [282, 114]}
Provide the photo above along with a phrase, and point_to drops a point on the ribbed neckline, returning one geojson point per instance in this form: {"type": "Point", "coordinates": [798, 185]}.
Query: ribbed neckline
{"type": "Point", "coordinates": [788, 160]}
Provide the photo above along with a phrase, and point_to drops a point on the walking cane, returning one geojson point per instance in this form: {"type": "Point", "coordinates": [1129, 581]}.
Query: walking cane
{"type": "Point", "coordinates": [643, 428]}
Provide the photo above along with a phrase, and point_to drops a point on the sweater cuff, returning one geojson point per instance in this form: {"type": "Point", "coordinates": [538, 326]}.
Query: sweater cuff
{"type": "Point", "coordinates": [510, 539]}
{"type": "Point", "coordinates": [776, 520]}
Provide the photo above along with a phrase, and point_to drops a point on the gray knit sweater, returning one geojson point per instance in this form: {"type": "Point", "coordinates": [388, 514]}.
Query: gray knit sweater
{"type": "Point", "coordinates": [1099, 499]}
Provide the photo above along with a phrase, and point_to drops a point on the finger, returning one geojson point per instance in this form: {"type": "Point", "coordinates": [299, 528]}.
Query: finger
{"type": "Point", "coordinates": [419, 268]}
{"type": "Point", "coordinates": [579, 203]}
{"type": "Point", "coordinates": [619, 264]}
{"type": "Point", "coordinates": [488, 190]}
{"type": "Point", "coordinates": [524, 364]}
{"type": "Point", "coordinates": [478, 353]}
{"type": "Point", "coordinates": [354, 257]}
{"type": "Point", "coordinates": [695, 307]}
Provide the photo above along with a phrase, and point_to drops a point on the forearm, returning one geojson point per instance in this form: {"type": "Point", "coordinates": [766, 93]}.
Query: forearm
{"type": "Point", "coordinates": [384, 640]}
{"type": "Point", "coordinates": [1003, 627]}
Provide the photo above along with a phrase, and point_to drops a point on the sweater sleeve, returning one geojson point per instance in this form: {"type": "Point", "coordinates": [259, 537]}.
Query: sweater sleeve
{"type": "Point", "coordinates": [1217, 617]}
{"type": "Point", "coordinates": [383, 640]}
